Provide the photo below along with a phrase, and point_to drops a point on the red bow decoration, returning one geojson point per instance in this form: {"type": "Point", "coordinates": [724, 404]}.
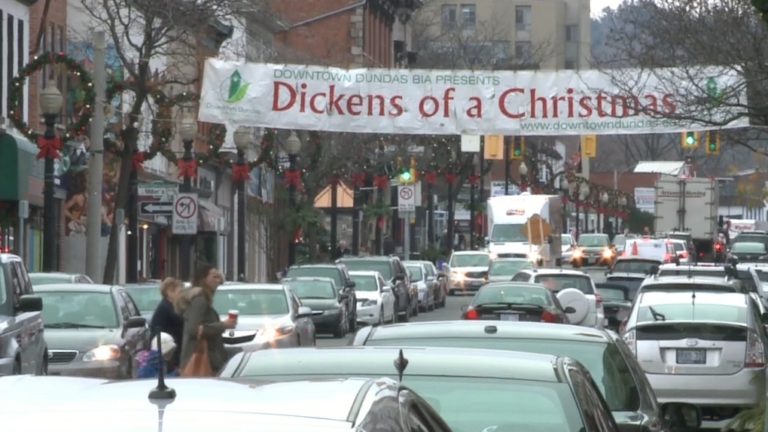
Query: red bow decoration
{"type": "Point", "coordinates": [138, 160]}
{"type": "Point", "coordinates": [298, 236]}
{"type": "Point", "coordinates": [358, 179]}
{"type": "Point", "coordinates": [430, 177]}
{"type": "Point", "coordinates": [474, 179]}
{"type": "Point", "coordinates": [380, 222]}
{"type": "Point", "coordinates": [49, 147]}
{"type": "Point", "coordinates": [293, 178]}
{"type": "Point", "coordinates": [450, 177]}
{"type": "Point", "coordinates": [380, 181]}
{"type": "Point", "coordinates": [241, 173]}
{"type": "Point", "coordinates": [187, 168]}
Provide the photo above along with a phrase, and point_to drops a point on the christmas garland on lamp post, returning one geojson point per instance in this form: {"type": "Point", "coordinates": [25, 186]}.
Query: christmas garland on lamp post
{"type": "Point", "coordinates": [38, 63]}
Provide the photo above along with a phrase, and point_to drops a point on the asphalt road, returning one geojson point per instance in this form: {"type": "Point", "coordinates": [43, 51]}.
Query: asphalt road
{"type": "Point", "coordinates": [451, 311]}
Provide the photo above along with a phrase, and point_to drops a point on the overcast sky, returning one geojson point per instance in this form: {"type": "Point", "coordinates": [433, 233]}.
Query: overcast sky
{"type": "Point", "coordinates": [597, 6]}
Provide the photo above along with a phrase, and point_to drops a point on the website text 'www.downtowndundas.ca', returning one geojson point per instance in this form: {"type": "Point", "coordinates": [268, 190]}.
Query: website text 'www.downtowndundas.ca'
{"type": "Point", "coordinates": [591, 125]}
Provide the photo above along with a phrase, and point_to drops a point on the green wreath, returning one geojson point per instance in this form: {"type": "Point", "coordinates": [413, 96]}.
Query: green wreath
{"type": "Point", "coordinates": [17, 88]}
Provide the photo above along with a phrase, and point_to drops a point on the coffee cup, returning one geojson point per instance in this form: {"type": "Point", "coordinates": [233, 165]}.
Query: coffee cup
{"type": "Point", "coordinates": [232, 315]}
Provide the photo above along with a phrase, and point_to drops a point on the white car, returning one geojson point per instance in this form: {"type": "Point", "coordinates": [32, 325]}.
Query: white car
{"type": "Point", "coordinates": [681, 250]}
{"type": "Point", "coordinates": [567, 246]}
{"type": "Point", "coordinates": [573, 288]}
{"type": "Point", "coordinates": [467, 271]}
{"type": "Point", "coordinates": [375, 301]}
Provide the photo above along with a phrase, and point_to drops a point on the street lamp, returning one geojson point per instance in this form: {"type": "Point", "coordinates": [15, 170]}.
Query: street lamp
{"type": "Point", "coordinates": [583, 194]}
{"type": "Point", "coordinates": [244, 140]}
{"type": "Point", "coordinates": [51, 101]}
{"type": "Point", "coordinates": [292, 147]}
{"type": "Point", "coordinates": [187, 132]}
{"type": "Point", "coordinates": [523, 169]}
{"type": "Point", "coordinates": [604, 199]}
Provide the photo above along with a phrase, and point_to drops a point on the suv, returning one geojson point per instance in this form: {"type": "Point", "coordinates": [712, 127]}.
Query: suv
{"type": "Point", "coordinates": [745, 273]}
{"type": "Point", "coordinates": [22, 345]}
{"type": "Point", "coordinates": [340, 276]}
{"type": "Point", "coordinates": [394, 272]}
{"type": "Point", "coordinates": [590, 313]}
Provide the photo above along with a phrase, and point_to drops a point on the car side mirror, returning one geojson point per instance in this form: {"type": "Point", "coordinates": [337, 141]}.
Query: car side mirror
{"type": "Point", "coordinates": [135, 322]}
{"type": "Point", "coordinates": [30, 303]}
{"type": "Point", "coordinates": [569, 310]}
{"type": "Point", "coordinates": [351, 284]}
{"type": "Point", "coordinates": [487, 241]}
{"type": "Point", "coordinates": [304, 312]}
{"type": "Point", "coordinates": [386, 288]}
{"type": "Point", "coordinates": [681, 417]}
{"type": "Point", "coordinates": [343, 296]}
{"type": "Point", "coordinates": [430, 278]}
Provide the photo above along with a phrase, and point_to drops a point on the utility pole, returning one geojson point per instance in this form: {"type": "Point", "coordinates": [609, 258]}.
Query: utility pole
{"type": "Point", "coordinates": [96, 163]}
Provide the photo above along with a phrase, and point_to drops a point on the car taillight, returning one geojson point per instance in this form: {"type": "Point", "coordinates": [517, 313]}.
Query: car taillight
{"type": "Point", "coordinates": [471, 314]}
{"type": "Point", "coordinates": [719, 247]}
{"type": "Point", "coordinates": [683, 254]}
{"type": "Point", "coordinates": [598, 299]}
{"type": "Point", "coordinates": [631, 341]}
{"type": "Point", "coordinates": [755, 357]}
{"type": "Point", "coordinates": [549, 317]}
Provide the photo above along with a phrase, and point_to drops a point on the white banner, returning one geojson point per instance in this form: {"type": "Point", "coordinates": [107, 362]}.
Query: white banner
{"type": "Point", "coordinates": [645, 199]}
{"type": "Point", "coordinates": [452, 102]}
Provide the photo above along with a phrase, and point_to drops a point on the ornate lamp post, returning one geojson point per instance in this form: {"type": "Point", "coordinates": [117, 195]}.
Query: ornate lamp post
{"type": "Point", "coordinates": [583, 194]}
{"type": "Point", "coordinates": [188, 169]}
{"type": "Point", "coordinates": [292, 147]}
{"type": "Point", "coordinates": [523, 169]}
{"type": "Point", "coordinates": [244, 139]}
{"type": "Point", "coordinates": [564, 188]}
{"type": "Point", "coordinates": [604, 199]}
{"type": "Point", "coordinates": [50, 103]}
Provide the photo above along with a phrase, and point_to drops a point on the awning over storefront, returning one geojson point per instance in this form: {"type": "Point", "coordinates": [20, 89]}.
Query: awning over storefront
{"type": "Point", "coordinates": [20, 179]}
{"type": "Point", "coordinates": [209, 213]}
{"type": "Point", "coordinates": [345, 198]}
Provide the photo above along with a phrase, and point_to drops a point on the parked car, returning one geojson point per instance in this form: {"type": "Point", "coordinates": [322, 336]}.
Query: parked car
{"type": "Point", "coordinates": [616, 303]}
{"type": "Point", "coordinates": [567, 246]}
{"type": "Point", "coordinates": [58, 278]}
{"type": "Point", "coordinates": [467, 271]}
{"type": "Point", "coordinates": [746, 252]}
{"type": "Point", "coordinates": [375, 301]}
{"type": "Point", "coordinates": [426, 286]}
{"type": "Point", "coordinates": [439, 279]}
{"type": "Point", "coordinates": [340, 275]}
{"type": "Point", "coordinates": [92, 330]}
{"type": "Point", "coordinates": [706, 348]}
{"type": "Point", "coordinates": [516, 301]}
{"type": "Point", "coordinates": [473, 390]}
{"type": "Point", "coordinates": [503, 269]}
{"type": "Point", "coordinates": [23, 349]}
{"type": "Point", "coordinates": [574, 289]}
{"type": "Point", "coordinates": [329, 306]}
{"type": "Point", "coordinates": [394, 272]}
{"type": "Point", "coordinates": [202, 405]}
{"type": "Point", "coordinates": [269, 315]}
{"type": "Point", "coordinates": [619, 378]}
{"type": "Point", "coordinates": [146, 295]}
{"type": "Point", "coordinates": [593, 248]}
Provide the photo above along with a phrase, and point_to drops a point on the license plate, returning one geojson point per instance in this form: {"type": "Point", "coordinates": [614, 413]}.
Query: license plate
{"type": "Point", "coordinates": [475, 284]}
{"type": "Point", "coordinates": [510, 317]}
{"type": "Point", "coordinates": [691, 356]}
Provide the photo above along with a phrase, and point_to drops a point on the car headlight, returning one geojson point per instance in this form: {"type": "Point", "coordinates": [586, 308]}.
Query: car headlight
{"type": "Point", "coordinates": [457, 275]}
{"type": "Point", "coordinates": [578, 253]}
{"type": "Point", "coordinates": [607, 253]}
{"type": "Point", "coordinates": [534, 257]}
{"type": "Point", "coordinates": [493, 255]}
{"type": "Point", "coordinates": [271, 333]}
{"type": "Point", "coordinates": [102, 353]}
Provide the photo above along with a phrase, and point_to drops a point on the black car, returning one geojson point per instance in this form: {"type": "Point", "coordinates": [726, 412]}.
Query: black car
{"type": "Point", "coordinates": [340, 276]}
{"type": "Point", "coordinates": [328, 304]}
{"type": "Point", "coordinates": [516, 301]}
{"type": "Point", "coordinates": [393, 271]}
{"type": "Point", "coordinates": [616, 303]}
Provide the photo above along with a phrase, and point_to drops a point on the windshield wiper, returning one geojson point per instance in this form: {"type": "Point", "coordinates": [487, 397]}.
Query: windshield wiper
{"type": "Point", "coordinates": [656, 315]}
{"type": "Point", "coordinates": [67, 325]}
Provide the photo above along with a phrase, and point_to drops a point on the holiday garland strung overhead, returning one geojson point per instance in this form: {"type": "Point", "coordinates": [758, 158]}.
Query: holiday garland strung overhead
{"type": "Point", "coordinates": [76, 129]}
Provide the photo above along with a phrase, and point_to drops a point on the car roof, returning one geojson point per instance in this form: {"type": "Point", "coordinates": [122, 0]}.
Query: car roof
{"type": "Point", "coordinates": [251, 286]}
{"type": "Point", "coordinates": [330, 399]}
{"type": "Point", "coordinates": [309, 278]}
{"type": "Point", "coordinates": [334, 265]}
{"type": "Point", "coordinates": [366, 258]}
{"type": "Point", "coordinates": [62, 274]}
{"type": "Point", "coordinates": [554, 271]}
{"type": "Point", "coordinates": [364, 273]}
{"type": "Point", "coordinates": [685, 297]}
{"type": "Point", "coordinates": [495, 284]}
{"type": "Point", "coordinates": [637, 258]}
{"type": "Point", "coordinates": [422, 361]}
{"type": "Point", "coordinates": [6, 257]}
{"type": "Point", "coordinates": [487, 329]}
{"type": "Point", "coordinates": [693, 280]}
{"type": "Point", "coordinates": [518, 259]}
{"type": "Point", "coordinates": [473, 252]}
{"type": "Point", "coordinates": [75, 287]}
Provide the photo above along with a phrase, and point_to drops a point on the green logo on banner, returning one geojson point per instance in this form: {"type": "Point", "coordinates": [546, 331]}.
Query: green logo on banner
{"type": "Point", "coordinates": [234, 88]}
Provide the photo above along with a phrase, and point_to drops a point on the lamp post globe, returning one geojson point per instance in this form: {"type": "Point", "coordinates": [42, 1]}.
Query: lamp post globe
{"type": "Point", "coordinates": [584, 191]}
{"type": "Point", "coordinates": [243, 138]}
{"type": "Point", "coordinates": [604, 197]}
{"type": "Point", "coordinates": [51, 99]}
{"type": "Point", "coordinates": [188, 129]}
{"type": "Point", "coordinates": [293, 144]}
{"type": "Point", "coordinates": [564, 186]}
{"type": "Point", "coordinates": [523, 169]}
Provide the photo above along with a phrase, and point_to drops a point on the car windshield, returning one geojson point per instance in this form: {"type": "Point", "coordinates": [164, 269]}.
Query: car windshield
{"type": "Point", "coordinates": [634, 266]}
{"type": "Point", "coordinates": [508, 233]}
{"type": "Point", "coordinates": [38, 279]}
{"type": "Point", "coordinates": [559, 282]}
{"type": "Point", "coordinates": [603, 360]}
{"type": "Point", "coordinates": [251, 301]}
{"type": "Point", "coordinates": [748, 247]}
{"type": "Point", "coordinates": [679, 247]}
{"type": "Point", "coordinates": [593, 240]}
{"type": "Point", "coordinates": [632, 284]}
{"type": "Point", "coordinates": [382, 266]}
{"type": "Point", "coordinates": [512, 293]}
{"type": "Point", "coordinates": [470, 260]}
{"type": "Point", "coordinates": [311, 289]}
{"type": "Point", "coordinates": [328, 272]}
{"type": "Point", "coordinates": [508, 268]}
{"type": "Point", "coordinates": [615, 294]}
{"type": "Point", "coordinates": [3, 291]}
{"type": "Point", "coordinates": [762, 274]}
{"type": "Point", "coordinates": [751, 238]}
{"type": "Point", "coordinates": [416, 273]}
{"type": "Point", "coordinates": [78, 309]}
{"type": "Point", "coordinates": [365, 283]}
{"type": "Point", "coordinates": [619, 240]}
{"type": "Point", "coordinates": [146, 297]}
{"type": "Point", "coordinates": [692, 312]}
{"type": "Point", "coordinates": [566, 240]}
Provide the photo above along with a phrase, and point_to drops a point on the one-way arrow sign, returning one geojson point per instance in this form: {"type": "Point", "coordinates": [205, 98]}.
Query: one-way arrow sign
{"type": "Point", "coordinates": [156, 208]}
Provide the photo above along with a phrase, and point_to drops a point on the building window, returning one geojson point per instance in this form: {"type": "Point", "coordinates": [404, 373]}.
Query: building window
{"type": "Point", "coordinates": [449, 17]}
{"type": "Point", "coordinates": [571, 33]}
{"type": "Point", "coordinates": [523, 18]}
{"type": "Point", "coordinates": [523, 52]}
{"type": "Point", "coordinates": [468, 16]}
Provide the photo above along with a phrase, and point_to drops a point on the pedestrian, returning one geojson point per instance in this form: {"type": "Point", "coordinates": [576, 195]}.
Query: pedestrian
{"type": "Point", "coordinates": [166, 320]}
{"type": "Point", "coordinates": [340, 250]}
{"type": "Point", "coordinates": [202, 326]}
{"type": "Point", "coordinates": [148, 361]}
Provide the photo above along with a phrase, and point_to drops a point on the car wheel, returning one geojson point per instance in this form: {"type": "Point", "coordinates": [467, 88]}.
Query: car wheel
{"type": "Point", "coordinates": [44, 367]}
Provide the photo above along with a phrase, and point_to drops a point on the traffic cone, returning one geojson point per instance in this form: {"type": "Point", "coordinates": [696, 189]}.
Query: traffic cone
{"type": "Point", "coordinates": [635, 252]}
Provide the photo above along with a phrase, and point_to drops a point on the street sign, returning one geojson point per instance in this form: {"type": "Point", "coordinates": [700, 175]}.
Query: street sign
{"type": "Point", "coordinates": [406, 198]}
{"type": "Point", "coordinates": [156, 208]}
{"type": "Point", "coordinates": [185, 208]}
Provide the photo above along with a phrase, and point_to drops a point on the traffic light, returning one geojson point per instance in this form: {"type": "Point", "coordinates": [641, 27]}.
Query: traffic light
{"type": "Point", "coordinates": [406, 175]}
{"type": "Point", "coordinates": [713, 143]}
{"type": "Point", "coordinates": [589, 146]}
{"type": "Point", "coordinates": [690, 140]}
{"type": "Point", "coordinates": [518, 148]}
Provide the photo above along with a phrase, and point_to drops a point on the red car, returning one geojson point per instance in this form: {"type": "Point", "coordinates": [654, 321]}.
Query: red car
{"type": "Point", "coordinates": [516, 301]}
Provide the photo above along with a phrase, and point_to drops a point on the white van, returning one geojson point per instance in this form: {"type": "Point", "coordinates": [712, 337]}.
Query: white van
{"type": "Point", "coordinates": [656, 249]}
